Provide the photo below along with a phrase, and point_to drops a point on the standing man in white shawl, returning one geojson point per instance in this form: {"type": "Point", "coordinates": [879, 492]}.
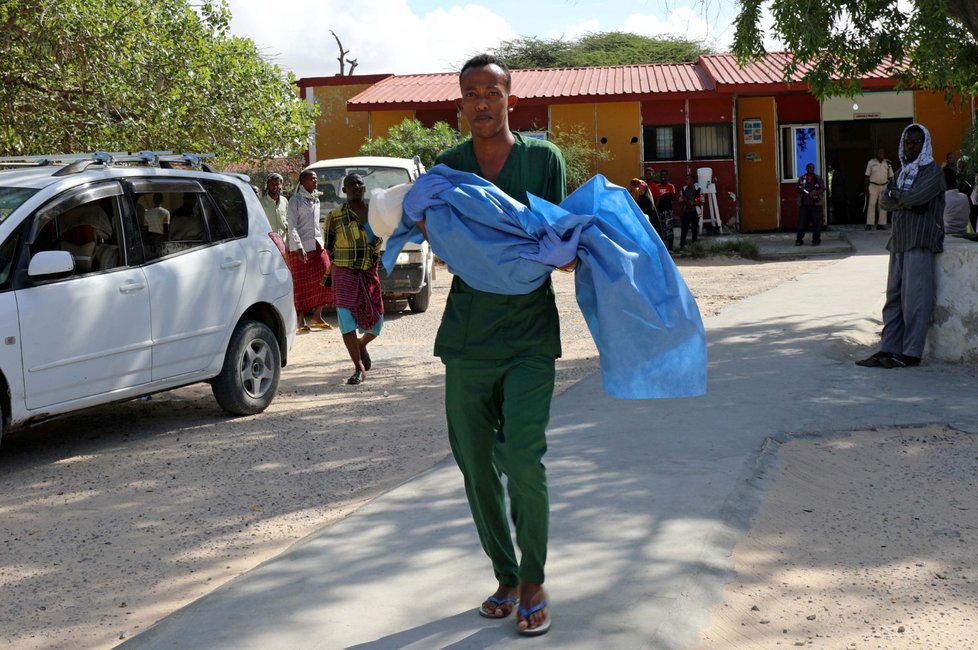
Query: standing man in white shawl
{"type": "Point", "coordinates": [915, 200]}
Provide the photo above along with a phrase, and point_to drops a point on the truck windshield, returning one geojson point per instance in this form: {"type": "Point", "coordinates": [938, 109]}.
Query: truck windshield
{"type": "Point", "coordinates": [11, 198]}
{"type": "Point", "coordinates": [331, 182]}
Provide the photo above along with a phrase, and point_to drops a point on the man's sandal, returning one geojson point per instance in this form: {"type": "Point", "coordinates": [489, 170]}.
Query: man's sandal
{"type": "Point", "coordinates": [525, 614]}
{"type": "Point", "coordinates": [498, 602]}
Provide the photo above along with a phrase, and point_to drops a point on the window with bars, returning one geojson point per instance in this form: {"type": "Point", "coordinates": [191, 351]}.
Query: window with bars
{"type": "Point", "coordinates": [711, 141]}
{"type": "Point", "coordinates": [664, 142]}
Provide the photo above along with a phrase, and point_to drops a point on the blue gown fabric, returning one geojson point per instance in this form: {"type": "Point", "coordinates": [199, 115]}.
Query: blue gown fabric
{"type": "Point", "coordinates": [642, 316]}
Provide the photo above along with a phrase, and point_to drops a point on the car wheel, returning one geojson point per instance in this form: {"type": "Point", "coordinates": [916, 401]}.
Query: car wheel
{"type": "Point", "coordinates": [419, 301]}
{"type": "Point", "coordinates": [252, 366]}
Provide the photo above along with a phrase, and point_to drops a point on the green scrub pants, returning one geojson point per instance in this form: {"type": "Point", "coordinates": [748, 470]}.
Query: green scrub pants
{"type": "Point", "coordinates": [498, 412]}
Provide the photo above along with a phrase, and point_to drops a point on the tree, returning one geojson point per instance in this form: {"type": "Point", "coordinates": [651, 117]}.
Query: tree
{"type": "Point", "coordinates": [342, 58]}
{"type": "Point", "coordinates": [933, 46]}
{"type": "Point", "coordinates": [580, 155]}
{"type": "Point", "coordinates": [410, 138]}
{"type": "Point", "coordinates": [608, 48]}
{"type": "Point", "coordinates": [129, 75]}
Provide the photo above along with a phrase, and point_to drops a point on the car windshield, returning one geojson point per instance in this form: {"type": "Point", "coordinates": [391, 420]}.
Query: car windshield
{"type": "Point", "coordinates": [11, 199]}
{"type": "Point", "coordinates": [331, 182]}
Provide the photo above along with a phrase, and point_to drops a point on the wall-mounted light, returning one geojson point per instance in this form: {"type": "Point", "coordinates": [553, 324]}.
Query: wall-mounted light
{"type": "Point", "coordinates": [855, 106]}
{"type": "Point", "coordinates": [634, 139]}
{"type": "Point", "coordinates": [604, 140]}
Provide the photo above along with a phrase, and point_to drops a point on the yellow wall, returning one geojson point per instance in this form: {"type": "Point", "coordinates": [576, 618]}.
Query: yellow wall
{"type": "Point", "coordinates": [948, 123]}
{"type": "Point", "coordinates": [563, 116]}
{"type": "Point", "coordinates": [573, 116]}
{"type": "Point", "coordinates": [382, 121]}
{"type": "Point", "coordinates": [757, 166]}
{"type": "Point", "coordinates": [618, 123]}
{"type": "Point", "coordinates": [339, 132]}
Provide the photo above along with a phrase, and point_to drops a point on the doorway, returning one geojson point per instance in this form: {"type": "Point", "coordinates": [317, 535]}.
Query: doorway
{"type": "Point", "coordinates": [848, 147]}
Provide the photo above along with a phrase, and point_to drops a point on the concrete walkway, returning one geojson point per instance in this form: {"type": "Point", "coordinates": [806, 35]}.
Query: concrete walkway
{"type": "Point", "coordinates": [649, 497]}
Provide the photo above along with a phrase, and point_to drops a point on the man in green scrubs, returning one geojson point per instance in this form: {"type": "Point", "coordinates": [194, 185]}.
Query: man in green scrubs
{"type": "Point", "coordinates": [499, 353]}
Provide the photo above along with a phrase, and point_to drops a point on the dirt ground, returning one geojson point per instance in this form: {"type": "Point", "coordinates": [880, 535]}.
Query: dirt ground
{"type": "Point", "coordinates": [864, 541]}
{"type": "Point", "coordinates": [112, 519]}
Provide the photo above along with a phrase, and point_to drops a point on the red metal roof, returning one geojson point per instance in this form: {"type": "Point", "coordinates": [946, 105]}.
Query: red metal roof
{"type": "Point", "coordinates": [711, 73]}
{"type": "Point", "coordinates": [729, 76]}
{"type": "Point", "coordinates": [605, 82]}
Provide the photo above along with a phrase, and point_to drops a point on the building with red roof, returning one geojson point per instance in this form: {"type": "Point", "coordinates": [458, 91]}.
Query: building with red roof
{"type": "Point", "coordinates": [749, 126]}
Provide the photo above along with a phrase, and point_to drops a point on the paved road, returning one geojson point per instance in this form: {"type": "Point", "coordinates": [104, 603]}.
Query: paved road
{"type": "Point", "coordinates": [649, 497]}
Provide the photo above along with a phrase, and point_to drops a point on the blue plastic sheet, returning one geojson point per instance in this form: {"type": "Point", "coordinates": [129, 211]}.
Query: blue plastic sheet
{"type": "Point", "coordinates": [642, 316]}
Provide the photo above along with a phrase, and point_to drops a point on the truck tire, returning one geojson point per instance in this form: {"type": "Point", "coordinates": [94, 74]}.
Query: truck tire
{"type": "Point", "coordinates": [419, 301]}
{"type": "Point", "coordinates": [252, 367]}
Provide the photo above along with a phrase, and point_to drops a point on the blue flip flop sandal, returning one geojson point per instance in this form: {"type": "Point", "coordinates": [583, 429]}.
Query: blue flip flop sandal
{"type": "Point", "coordinates": [539, 629]}
{"type": "Point", "coordinates": [498, 602]}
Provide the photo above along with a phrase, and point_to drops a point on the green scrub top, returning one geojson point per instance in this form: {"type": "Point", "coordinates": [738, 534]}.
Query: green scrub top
{"type": "Point", "coordinates": [482, 325]}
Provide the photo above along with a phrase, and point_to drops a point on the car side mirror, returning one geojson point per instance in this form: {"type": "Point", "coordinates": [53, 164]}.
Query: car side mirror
{"type": "Point", "coordinates": [48, 264]}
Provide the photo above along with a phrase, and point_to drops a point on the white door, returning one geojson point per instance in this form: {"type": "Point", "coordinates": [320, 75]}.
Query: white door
{"type": "Point", "coordinates": [88, 333]}
{"type": "Point", "coordinates": [194, 286]}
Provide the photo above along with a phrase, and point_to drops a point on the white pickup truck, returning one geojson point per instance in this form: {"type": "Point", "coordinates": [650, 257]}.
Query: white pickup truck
{"type": "Point", "coordinates": [411, 278]}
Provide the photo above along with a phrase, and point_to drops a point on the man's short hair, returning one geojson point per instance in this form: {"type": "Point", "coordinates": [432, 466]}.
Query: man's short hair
{"type": "Point", "coordinates": [306, 173]}
{"type": "Point", "coordinates": [482, 60]}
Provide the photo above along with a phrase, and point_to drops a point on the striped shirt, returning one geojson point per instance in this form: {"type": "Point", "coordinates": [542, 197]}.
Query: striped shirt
{"type": "Point", "coordinates": [912, 229]}
{"type": "Point", "coordinates": [349, 243]}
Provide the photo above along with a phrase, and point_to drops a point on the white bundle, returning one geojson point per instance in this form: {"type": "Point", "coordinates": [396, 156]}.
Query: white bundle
{"type": "Point", "coordinates": [385, 210]}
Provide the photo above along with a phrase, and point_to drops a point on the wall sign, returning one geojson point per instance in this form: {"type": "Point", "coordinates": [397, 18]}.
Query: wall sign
{"type": "Point", "coordinates": [752, 130]}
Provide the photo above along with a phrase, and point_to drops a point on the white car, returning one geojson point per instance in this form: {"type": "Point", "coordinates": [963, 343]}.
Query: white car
{"type": "Point", "coordinates": [121, 276]}
{"type": "Point", "coordinates": [411, 278]}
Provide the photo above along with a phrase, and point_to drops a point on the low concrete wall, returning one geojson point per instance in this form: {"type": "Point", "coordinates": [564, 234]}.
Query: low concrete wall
{"type": "Point", "coordinates": [954, 334]}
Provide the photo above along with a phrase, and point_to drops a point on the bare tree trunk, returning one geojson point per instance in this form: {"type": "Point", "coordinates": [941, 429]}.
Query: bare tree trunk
{"type": "Point", "coordinates": [343, 53]}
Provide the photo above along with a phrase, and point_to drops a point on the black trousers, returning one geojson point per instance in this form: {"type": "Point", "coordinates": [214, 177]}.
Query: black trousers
{"type": "Point", "coordinates": [813, 214]}
{"type": "Point", "coordinates": [690, 223]}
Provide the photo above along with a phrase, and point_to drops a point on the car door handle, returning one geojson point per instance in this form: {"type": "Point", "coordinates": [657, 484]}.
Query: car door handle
{"type": "Point", "coordinates": [131, 287]}
{"type": "Point", "coordinates": [229, 264]}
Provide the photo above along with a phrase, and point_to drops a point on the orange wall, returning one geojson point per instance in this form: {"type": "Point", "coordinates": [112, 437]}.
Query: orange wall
{"type": "Point", "coordinates": [757, 164]}
{"type": "Point", "coordinates": [948, 123]}
{"type": "Point", "coordinates": [573, 115]}
{"type": "Point", "coordinates": [382, 121]}
{"type": "Point", "coordinates": [339, 132]}
{"type": "Point", "coordinates": [617, 124]}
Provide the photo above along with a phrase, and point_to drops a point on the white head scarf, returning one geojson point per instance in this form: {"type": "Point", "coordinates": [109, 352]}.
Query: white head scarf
{"type": "Point", "coordinates": [908, 170]}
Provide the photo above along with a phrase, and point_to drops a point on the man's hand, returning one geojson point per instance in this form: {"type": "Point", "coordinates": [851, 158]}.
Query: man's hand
{"type": "Point", "coordinates": [425, 194]}
{"type": "Point", "coordinates": [553, 250]}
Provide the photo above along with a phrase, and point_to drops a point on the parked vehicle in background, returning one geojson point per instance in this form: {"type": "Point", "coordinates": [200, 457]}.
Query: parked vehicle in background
{"type": "Point", "coordinates": [122, 276]}
{"type": "Point", "coordinates": [411, 278]}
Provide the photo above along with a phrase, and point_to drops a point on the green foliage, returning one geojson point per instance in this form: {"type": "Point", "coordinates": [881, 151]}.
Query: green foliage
{"type": "Point", "coordinates": [580, 155]}
{"type": "Point", "coordinates": [609, 48]}
{"type": "Point", "coordinates": [969, 148]}
{"type": "Point", "coordinates": [410, 138]}
{"type": "Point", "coordinates": [127, 75]}
{"type": "Point", "coordinates": [931, 46]}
